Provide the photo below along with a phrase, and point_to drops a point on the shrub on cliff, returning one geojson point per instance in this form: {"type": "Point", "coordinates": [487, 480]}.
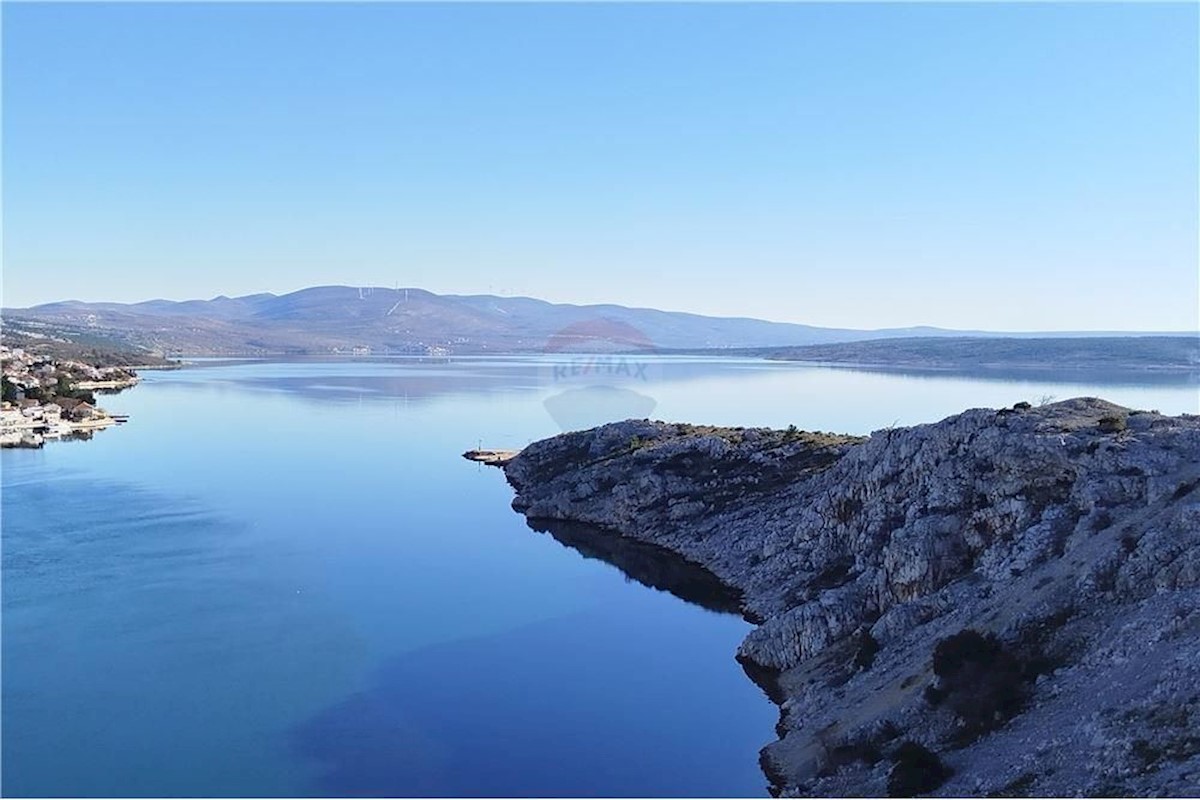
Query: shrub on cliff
{"type": "Point", "coordinates": [979, 680]}
{"type": "Point", "coordinates": [864, 655]}
{"type": "Point", "coordinates": [915, 770]}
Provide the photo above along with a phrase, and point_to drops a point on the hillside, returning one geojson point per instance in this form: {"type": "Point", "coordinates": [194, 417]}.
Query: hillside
{"type": "Point", "coordinates": [72, 343]}
{"type": "Point", "coordinates": [954, 352]}
{"type": "Point", "coordinates": [343, 319]}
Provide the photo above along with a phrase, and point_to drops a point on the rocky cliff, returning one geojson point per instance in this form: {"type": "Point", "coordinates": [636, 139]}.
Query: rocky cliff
{"type": "Point", "coordinates": [1004, 602]}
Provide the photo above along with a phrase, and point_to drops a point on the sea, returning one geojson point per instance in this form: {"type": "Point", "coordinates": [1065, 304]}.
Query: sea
{"type": "Point", "coordinates": [281, 578]}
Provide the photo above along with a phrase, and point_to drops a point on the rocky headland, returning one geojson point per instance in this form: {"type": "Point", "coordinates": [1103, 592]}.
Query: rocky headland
{"type": "Point", "coordinates": [1004, 603]}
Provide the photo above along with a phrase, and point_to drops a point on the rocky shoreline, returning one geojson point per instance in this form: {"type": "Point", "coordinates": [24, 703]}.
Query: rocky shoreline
{"type": "Point", "coordinates": [1005, 603]}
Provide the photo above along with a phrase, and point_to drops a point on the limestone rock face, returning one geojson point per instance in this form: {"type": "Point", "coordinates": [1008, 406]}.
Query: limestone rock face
{"type": "Point", "coordinates": [1069, 532]}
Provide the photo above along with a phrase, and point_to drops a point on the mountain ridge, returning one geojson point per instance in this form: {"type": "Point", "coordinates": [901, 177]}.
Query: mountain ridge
{"type": "Point", "coordinates": [332, 319]}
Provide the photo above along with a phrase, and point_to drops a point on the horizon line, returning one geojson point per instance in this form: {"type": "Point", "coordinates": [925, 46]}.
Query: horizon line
{"type": "Point", "coordinates": [917, 326]}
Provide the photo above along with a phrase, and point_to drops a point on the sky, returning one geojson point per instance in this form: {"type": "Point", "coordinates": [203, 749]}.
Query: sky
{"type": "Point", "coordinates": [987, 166]}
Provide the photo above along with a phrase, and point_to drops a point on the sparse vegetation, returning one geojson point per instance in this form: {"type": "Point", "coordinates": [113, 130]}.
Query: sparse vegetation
{"type": "Point", "coordinates": [1175, 739]}
{"type": "Point", "coordinates": [845, 509]}
{"type": "Point", "coordinates": [1184, 489]}
{"type": "Point", "coordinates": [868, 647]}
{"type": "Point", "coordinates": [866, 748]}
{"type": "Point", "coordinates": [1017, 787]}
{"type": "Point", "coordinates": [68, 343]}
{"type": "Point", "coordinates": [844, 754]}
{"type": "Point", "coordinates": [65, 388]}
{"type": "Point", "coordinates": [1102, 520]}
{"type": "Point", "coordinates": [836, 573]}
{"type": "Point", "coordinates": [916, 770]}
{"type": "Point", "coordinates": [979, 680]}
{"type": "Point", "coordinates": [738, 435]}
{"type": "Point", "coordinates": [1112, 424]}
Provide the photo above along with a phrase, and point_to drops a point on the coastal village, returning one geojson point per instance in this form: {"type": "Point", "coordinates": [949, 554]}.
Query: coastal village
{"type": "Point", "coordinates": [46, 398]}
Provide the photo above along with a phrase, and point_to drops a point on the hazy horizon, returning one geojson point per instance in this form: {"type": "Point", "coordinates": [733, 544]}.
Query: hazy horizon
{"type": "Point", "coordinates": [914, 325]}
{"type": "Point", "coordinates": [980, 167]}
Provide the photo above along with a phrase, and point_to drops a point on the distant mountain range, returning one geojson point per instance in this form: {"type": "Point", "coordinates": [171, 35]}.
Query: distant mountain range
{"type": "Point", "coordinates": [352, 320]}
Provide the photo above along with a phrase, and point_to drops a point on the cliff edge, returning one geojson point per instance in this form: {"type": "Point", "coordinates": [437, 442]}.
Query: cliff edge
{"type": "Point", "coordinates": [1001, 603]}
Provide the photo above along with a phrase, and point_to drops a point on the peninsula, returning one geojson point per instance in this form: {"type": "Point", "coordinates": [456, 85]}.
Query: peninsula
{"type": "Point", "coordinates": [1002, 603]}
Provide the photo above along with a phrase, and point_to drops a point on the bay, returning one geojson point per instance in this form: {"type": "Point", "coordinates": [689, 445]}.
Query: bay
{"type": "Point", "coordinates": [281, 579]}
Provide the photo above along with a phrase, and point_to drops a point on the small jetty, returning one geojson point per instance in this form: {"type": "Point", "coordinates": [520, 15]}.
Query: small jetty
{"type": "Point", "coordinates": [495, 458]}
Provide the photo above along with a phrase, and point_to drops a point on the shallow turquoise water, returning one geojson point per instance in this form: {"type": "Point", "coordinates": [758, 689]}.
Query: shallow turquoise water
{"type": "Point", "coordinates": [282, 579]}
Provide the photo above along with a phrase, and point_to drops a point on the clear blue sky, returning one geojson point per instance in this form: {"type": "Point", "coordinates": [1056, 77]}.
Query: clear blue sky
{"type": "Point", "coordinates": [1008, 167]}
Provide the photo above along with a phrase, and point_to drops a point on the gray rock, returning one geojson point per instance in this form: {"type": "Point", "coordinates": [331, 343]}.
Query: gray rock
{"type": "Point", "coordinates": [1073, 539]}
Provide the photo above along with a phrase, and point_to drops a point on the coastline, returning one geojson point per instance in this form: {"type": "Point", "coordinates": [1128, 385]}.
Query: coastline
{"type": "Point", "coordinates": [33, 426]}
{"type": "Point", "coordinates": [107, 385]}
{"type": "Point", "coordinates": [859, 558]}
{"type": "Point", "coordinates": [46, 399]}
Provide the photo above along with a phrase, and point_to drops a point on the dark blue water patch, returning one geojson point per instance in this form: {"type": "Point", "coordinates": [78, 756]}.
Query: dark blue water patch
{"type": "Point", "coordinates": [647, 564]}
{"type": "Point", "coordinates": [569, 707]}
{"type": "Point", "coordinates": [73, 535]}
{"type": "Point", "coordinates": [138, 635]}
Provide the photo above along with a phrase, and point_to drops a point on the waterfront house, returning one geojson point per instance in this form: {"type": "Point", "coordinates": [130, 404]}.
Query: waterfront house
{"type": "Point", "coordinates": [82, 411]}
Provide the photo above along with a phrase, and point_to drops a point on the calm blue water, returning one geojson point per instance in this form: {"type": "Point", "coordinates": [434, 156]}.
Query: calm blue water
{"type": "Point", "coordinates": [282, 579]}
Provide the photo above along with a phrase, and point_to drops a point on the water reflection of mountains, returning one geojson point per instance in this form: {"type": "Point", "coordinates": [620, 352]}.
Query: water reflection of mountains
{"type": "Point", "coordinates": [418, 381]}
{"type": "Point", "coordinates": [409, 387]}
{"type": "Point", "coordinates": [647, 564]}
